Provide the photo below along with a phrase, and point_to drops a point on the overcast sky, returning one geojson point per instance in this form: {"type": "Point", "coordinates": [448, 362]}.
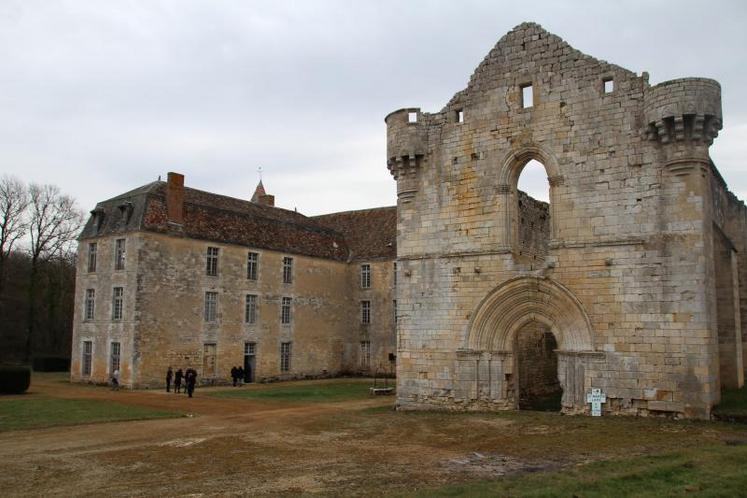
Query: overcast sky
{"type": "Point", "coordinates": [100, 97]}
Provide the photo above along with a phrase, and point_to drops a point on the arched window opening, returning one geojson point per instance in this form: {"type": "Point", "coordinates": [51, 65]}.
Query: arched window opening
{"type": "Point", "coordinates": [533, 213]}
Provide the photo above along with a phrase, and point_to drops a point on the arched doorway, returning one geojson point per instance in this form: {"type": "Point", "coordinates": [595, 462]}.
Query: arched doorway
{"type": "Point", "coordinates": [526, 309]}
{"type": "Point", "coordinates": [536, 369]}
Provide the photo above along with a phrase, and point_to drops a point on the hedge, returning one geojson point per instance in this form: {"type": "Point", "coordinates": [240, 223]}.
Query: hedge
{"type": "Point", "coordinates": [14, 379]}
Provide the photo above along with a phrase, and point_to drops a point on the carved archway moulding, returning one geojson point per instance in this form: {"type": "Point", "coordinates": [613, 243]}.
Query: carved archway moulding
{"type": "Point", "coordinates": [516, 159]}
{"type": "Point", "coordinates": [516, 302]}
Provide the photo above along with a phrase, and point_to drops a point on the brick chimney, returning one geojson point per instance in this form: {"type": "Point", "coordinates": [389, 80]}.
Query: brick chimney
{"type": "Point", "coordinates": [261, 197]}
{"type": "Point", "coordinates": [175, 198]}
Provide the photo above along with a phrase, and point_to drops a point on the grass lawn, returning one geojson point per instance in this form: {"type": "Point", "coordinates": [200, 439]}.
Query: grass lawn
{"type": "Point", "coordinates": [733, 404]}
{"type": "Point", "coordinates": [38, 412]}
{"type": "Point", "coordinates": [311, 393]}
{"type": "Point", "coordinates": [712, 471]}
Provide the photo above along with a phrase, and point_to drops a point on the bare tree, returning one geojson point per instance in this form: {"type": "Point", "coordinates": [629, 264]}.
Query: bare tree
{"type": "Point", "coordinates": [54, 222]}
{"type": "Point", "coordinates": [14, 201]}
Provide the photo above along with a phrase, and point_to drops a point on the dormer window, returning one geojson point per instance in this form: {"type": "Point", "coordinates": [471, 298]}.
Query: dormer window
{"type": "Point", "coordinates": [98, 218]}
{"type": "Point", "coordinates": [126, 209]}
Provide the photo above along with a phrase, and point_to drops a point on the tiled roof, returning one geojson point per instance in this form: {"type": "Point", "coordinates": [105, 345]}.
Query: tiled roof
{"type": "Point", "coordinates": [371, 234]}
{"type": "Point", "coordinates": [223, 219]}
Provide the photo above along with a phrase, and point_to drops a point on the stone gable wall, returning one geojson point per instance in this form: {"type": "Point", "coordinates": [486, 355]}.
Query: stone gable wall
{"type": "Point", "coordinates": [631, 237]}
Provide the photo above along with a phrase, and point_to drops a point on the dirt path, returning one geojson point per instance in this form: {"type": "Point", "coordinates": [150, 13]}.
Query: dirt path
{"type": "Point", "coordinates": [243, 447]}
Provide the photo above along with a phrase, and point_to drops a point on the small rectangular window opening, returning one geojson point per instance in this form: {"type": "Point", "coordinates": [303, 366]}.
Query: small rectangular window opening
{"type": "Point", "coordinates": [527, 96]}
{"type": "Point", "coordinates": [609, 85]}
{"type": "Point", "coordinates": [412, 117]}
{"type": "Point", "coordinates": [365, 276]}
{"type": "Point", "coordinates": [87, 357]}
{"type": "Point", "coordinates": [285, 356]}
{"type": "Point", "coordinates": [460, 116]}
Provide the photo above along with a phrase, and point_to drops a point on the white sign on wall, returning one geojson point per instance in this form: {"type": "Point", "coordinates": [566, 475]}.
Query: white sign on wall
{"type": "Point", "coordinates": [596, 397]}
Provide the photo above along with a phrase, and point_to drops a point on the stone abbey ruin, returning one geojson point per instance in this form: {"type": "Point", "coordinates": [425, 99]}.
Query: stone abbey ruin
{"type": "Point", "coordinates": [630, 281]}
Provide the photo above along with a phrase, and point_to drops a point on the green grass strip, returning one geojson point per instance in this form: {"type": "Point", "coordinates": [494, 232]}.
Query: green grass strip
{"type": "Point", "coordinates": [714, 471]}
{"type": "Point", "coordinates": [312, 393]}
{"type": "Point", "coordinates": [34, 413]}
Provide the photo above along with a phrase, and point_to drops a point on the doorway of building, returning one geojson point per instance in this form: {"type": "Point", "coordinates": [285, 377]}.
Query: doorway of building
{"type": "Point", "coordinates": [539, 387]}
{"type": "Point", "coordinates": [250, 354]}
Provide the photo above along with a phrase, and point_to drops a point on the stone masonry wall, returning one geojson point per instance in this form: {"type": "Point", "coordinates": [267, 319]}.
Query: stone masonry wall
{"type": "Point", "coordinates": [172, 284]}
{"type": "Point", "coordinates": [163, 325]}
{"type": "Point", "coordinates": [102, 330]}
{"type": "Point", "coordinates": [534, 228]}
{"type": "Point", "coordinates": [627, 283]}
{"type": "Point", "coordinates": [379, 332]}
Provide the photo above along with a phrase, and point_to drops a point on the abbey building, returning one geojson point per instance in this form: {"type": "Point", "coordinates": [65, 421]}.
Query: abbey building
{"type": "Point", "coordinates": [173, 276]}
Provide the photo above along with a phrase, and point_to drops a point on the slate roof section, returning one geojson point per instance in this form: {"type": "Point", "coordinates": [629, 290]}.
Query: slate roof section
{"type": "Point", "coordinates": [222, 219]}
{"type": "Point", "coordinates": [371, 234]}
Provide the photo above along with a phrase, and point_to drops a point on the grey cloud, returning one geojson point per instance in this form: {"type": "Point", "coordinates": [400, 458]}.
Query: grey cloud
{"type": "Point", "coordinates": [102, 96]}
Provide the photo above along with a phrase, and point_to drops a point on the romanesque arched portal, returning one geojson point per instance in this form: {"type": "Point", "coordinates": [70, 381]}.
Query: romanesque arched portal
{"type": "Point", "coordinates": [490, 342]}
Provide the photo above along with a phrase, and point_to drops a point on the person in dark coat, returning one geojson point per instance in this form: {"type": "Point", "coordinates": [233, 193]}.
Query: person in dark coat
{"type": "Point", "coordinates": [169, 376]}
{"type": "Point", "coordinates": [191, 381]}
{"type": "Point", "coordinates": [178, 380]}
{"type": "Point", "coordinates": [234, 375]}
{"type": "Point", "coordinates": [240, 375]}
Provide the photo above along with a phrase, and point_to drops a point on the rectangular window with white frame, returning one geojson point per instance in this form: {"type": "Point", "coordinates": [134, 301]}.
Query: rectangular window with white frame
{"type": "Point", "coordinates": [285, 356]}
{"type": "Point", "coordinates": [92, 250]}
{"type": "Point", "coordinates": [365, 276]}
{"type": "Point", "coordinates": [117, 303]}
{"type": "Point", "coordinates": [285, 311]}
{"type": "Point", "coordinates": [114, 359]}
{"type": "Point", "coordinates": [250, 309]}
{"type": "Point", "coordinates": [287, 270]}
{"type": "Point", "coordinates": [252, 265]}
{"type": "Point", "coordinates": [211, 306]}
{"type": "Point", "coordinates": [212, 261]}
{"type": "Point", "coordinates": [119, 254]}
{"type": "Point", "coordinates": [90, 304]}
{"type": "Point", "coordinates": [87, 358]}
{"type": "Point", "coordinates": [365, 356]}
{"type": "Point", "coordinates": [365, 312]}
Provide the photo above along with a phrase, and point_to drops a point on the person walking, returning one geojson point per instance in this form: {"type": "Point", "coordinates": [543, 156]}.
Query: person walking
{"type": "Point", "coordinates": [234, 375]}
{"type": "Point", "coordinates": [169, 376]}
{"type": "Point", "coordinates": [240, 375]}
{"type": "Point", "coordinates": [191, 381]}
{"type": "Point", "coordinates": [178, 380]}
{"type": "Point", "coordinates": [115, 380]}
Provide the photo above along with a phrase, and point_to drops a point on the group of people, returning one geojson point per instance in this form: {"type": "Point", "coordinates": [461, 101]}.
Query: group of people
{"type": "Point", "coordinates": [189, 377]}
{"type": "Point", "coordinates": [238, 375]}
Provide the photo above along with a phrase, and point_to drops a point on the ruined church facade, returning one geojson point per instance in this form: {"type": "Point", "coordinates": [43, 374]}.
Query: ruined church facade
{"type": "Point", "coordinates": [631, 279]}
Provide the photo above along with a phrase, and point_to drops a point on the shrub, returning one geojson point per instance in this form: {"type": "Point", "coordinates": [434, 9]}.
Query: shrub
{"type": "Point", "coordinates": [14, 379]}
{"type": "Point", "coordinates": [51, 364]}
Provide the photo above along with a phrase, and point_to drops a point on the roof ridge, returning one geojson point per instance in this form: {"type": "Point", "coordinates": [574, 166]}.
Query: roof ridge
{"type": "Point", "coordinates": [354, 211]}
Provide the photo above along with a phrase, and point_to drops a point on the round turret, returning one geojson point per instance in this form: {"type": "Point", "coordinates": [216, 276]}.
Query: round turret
{"type": "Point", "coordinates": [407, 139]}
{"type": "Point", "coordinates": [683, 110]}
